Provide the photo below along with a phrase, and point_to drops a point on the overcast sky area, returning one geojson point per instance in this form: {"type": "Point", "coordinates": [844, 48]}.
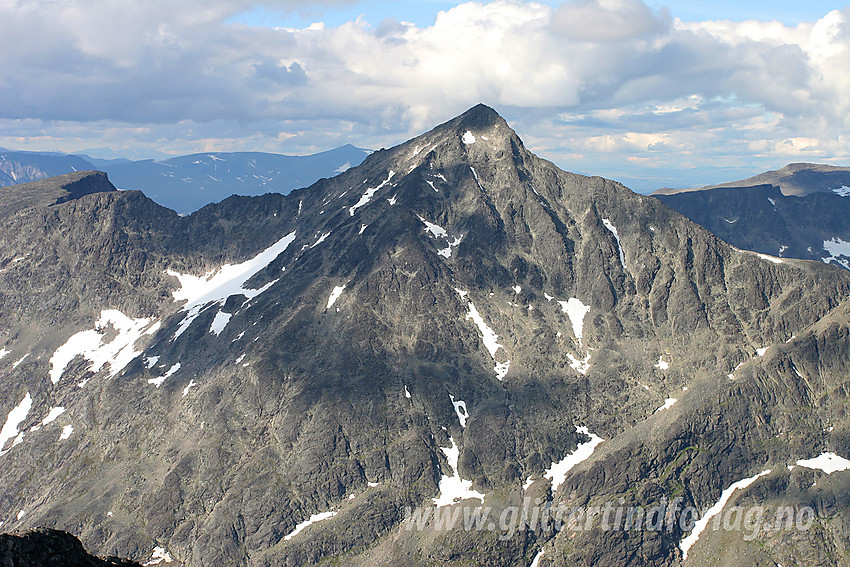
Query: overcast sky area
{"type": "Point", "coordinates": [678, 93]}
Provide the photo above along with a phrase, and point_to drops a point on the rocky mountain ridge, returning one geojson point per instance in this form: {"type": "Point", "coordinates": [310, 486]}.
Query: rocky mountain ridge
{"type": "Point", "coordinates": [763, 219]}
{"type": "Point", "coordinates": [277, 380]}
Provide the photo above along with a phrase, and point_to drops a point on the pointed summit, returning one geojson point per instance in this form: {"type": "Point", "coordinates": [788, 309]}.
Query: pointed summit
{"type": "Point", "coordinates": [480, 116]}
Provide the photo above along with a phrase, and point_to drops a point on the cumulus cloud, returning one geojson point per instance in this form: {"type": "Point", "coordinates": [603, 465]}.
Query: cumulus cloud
{"type": "Point", "coordinates": [588, 80]}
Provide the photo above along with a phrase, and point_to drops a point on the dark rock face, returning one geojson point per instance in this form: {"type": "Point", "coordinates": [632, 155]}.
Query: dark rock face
{"type": "Point", "coordinates": [50, 548]}
{"type": "Point", "coordinates": [317, 382]}
{"type": "Point", "coordinates": [763, 219]}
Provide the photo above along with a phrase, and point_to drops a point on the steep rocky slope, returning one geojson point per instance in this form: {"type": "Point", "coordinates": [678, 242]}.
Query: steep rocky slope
{"type": "Point", "coordinates": [763, 219]}
{"type": "Point", "coordinates": [276, 380]}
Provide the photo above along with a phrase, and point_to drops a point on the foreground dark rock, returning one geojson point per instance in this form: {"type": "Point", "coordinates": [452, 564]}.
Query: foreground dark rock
{"type": "Point", "coordinates": [50, 548]}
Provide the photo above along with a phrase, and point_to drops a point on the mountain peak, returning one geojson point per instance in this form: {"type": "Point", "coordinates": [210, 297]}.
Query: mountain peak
{"type": "Point", "coordinates": [480, 116]}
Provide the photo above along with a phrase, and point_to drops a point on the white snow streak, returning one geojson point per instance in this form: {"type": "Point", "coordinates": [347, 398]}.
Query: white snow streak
{"type": "Point", "coordinates": [13, 420]}
{"type": "Point", "coordinates": [51, 416]}
{"type": "Point", "coordinates": [536, 561]}
{"type": "Point", "coordinates": [20, 360]}
{"type": "Point", "coordinates": [827, 462]}
{"type": "Point", "coordinates": [702, 523]}
{"type": "Point", "coordinates": [369, 193]}
{"type": "Point", "coordinates": [488, 336]}
{"type": "Point", "coordinates": [158, 381]}
{"type": "Point", "coordinates": [188, 387]}
{"type": "Point", "coordinates": [453, 488]}
{"type": "Point", "coordinates": [769, 258]}
{"type": "Point", "coordinates": [217, 285]}
{"type": "Point", "coordinates": [118, 352]}
{"type": "Point", "coordinates": [613, 230]}
{"type": "Point", "coordinates": [460, 410]}
{"type": "Point", "coordinates": [575, 310]}
{"type": "Point", "coordinates": [315, 518]}
{"type": "Point", "coordinates": [557, 473]}
{"type": "Point", "coordinates": [337, 291]}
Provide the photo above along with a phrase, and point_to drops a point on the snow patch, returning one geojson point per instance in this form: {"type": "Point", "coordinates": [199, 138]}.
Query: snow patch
{"type": "Point", "coordinates": [217, 285]}
{"type": "Point", "coordinates": [21, 514]}
{"type": "Point", "coordinates": [468, 138]}
{"type": "Point", "coordinates": [460, 410]}
{"type": "Point", "coordinates": [837, 247]}
{"type": "Point", "coordinates": [66, 432]}
{"type": "Point", "coordinates": [188, 387]}
{"type": "Point", "coordinates": [827, 462]}
{"type": "Point", "coordinates": [220, 322]}
{"type": "Point", "coordinates": [406, 392]}
{"type": "Point", "coordinates": [580, 365]}
{"type": "Point", "coordinates": [362, 228]}
{"type": "Point", "coordinates": [151, 361]}
{"type": "Point", "coordinates": [662, 365]}
{"type": "Point", "coordinates": [613, 230]}
{"type": "Point", "coordinates": [13, 420]}
{"type": "Point", "coordinates": [517, 289]}
{"type": "Point", "coordinates": [436, 230]}
{"type": "Point", "coordinates": [4, 352]}
{"type": "Point", "coordinates": [337, 291]}
{"type": "Point", "coordinates": [453, 488]}
{"type": "Point", "coordinates": [761, 351]}
{"type": "Point", "coordinates": [488, 336]}
{"type": "Point", "coordinates": [343, 167]}
{"type": "Point", "coordinates": [158, 381]}
{"type": "Point", "coordinates": [369, 193]}
{"type": "Point", "coordinates": [20, 360]}
{"type": "Point", "coordinates": [668, 403]}
{"type": "Point", "coordinates": [51, 416]}
{"type": "Point", "coordinates": [536, 561]}
{"type": "Point", "coordinates": [557, 473]}
{"type": "Point", "coordinates": [842, 191]}
{"type": "Point", "coordinates": [702, 523]}
{"type": "Point", "coordinates": [769, 258]}
{"type": "Point", "coordinates": [772, 202]}
{"type": "Point", "coordinates": [159, 555]}
{"type": "Point", "coordinates": [314, 519]}
{"type": "Point", "coordinates": [575, 310]}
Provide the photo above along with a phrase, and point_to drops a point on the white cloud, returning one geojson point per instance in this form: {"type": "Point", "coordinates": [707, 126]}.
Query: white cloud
{"type": "Point", "coordinates": [610, 80]}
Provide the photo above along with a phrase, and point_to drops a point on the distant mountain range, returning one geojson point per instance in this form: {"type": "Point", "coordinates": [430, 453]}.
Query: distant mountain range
{"type": "Point", "coordinates": [799, 211]}
{"type": "Point", "coordinates": [187, 183]}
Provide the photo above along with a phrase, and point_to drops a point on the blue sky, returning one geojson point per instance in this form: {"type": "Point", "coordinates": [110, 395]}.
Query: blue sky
{"type": "Point", "coordinates": [649, 93]}
{"type": "Point", "coordinates": [423, 12]}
